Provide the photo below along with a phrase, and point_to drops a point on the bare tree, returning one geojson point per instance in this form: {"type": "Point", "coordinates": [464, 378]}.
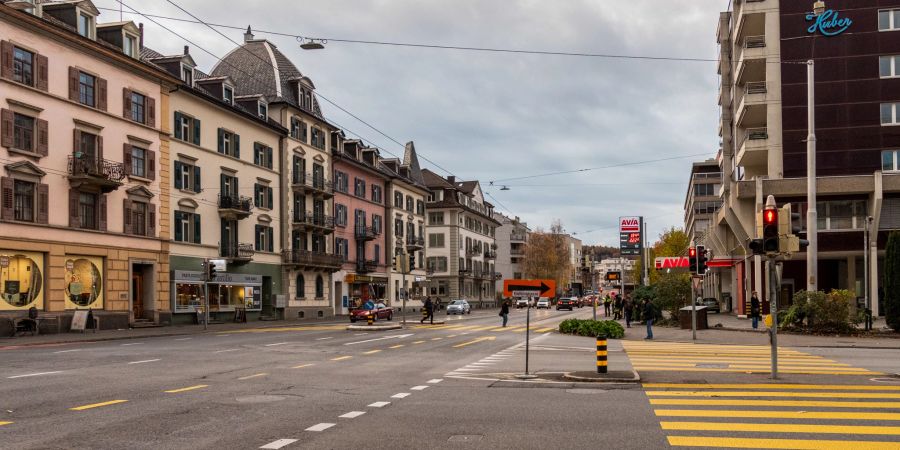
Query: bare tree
{"type": "Point", "coordinates": [547, 255]}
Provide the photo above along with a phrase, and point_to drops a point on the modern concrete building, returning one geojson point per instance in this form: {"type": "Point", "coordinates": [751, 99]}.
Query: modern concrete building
{"type": "Point", "coordinates": [763, 49]}
{"type": "Point", "coordinates": [461, 243]}
{"type": "Point", "coordinates": [511, 237]}
{"type": "Point", "coordinates": [84, 150]}
{"type": "Point", "coordinates": [702, 201]}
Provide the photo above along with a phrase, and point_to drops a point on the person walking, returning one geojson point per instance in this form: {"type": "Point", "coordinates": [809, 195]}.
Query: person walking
{"type": "Point", "coordinates": [429, 310]}
{"type": "Point", "coordinates": [648, 318]}
{"type": "Point", "coordinates": [606, 303]}
{"type": "Point", "coordinates": [504, 311]}
{"type": "Point", "coordinates": [629, 309]}
{"type": "Point", "coordinates": [754, 309]}
{"type": "Point", "coordinates": [617, 308]}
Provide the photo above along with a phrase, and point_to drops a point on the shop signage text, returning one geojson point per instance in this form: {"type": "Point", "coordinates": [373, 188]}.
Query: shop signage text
{"type": "Point", "coordinates": [828, 23]}
{"type": "Point", "coordinates": [221, 278]}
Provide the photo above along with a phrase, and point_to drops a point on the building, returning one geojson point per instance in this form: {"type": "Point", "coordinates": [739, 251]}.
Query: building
{"type": "Point", "coordinates": [511, 237]}
{"type": "Point", "coordinates": [764, 128]}
{"type": "Point", "coordinates": [575, 284]}
{"type": "Point", "coordinates": [267, 83]}
{"type": "Point", "coordinates": [405, 211]}
{"type": "Point", "coordinates": [362, 238]}
{"type": "Point", "coordinates": [623, 265]}
{"type": "Point", "coordinates": [461, 241]}
{"type": "Point", "coordinates": [702, 201]}
{"type": "Point", "coordinates": [213, 213]}
{"type": "Point", "coordinates": [81, 123]}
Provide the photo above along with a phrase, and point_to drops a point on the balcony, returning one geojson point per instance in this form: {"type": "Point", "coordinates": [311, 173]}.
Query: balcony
{"type": "Point", "coordinates": [465, 271]}
{"type": "Point", "coordinates": [472, 252]}
{"type": "Point", "coordinates": [311, 221]}
{"type": "Point", "coordinates": [237, 253]}
{"type": "Point", "coordinates": [366, 266]}
{"type": "Point", "coordinates": [752, 107]}
{"type": "Point", "coordinates": [517, 252]}
{"type": "Point", "coordinates": [490, 254]}
{"type": "Point", "coordinates": [415, 243]}
{"type": "Point", "coordinates": [754, 148]}
{"type": "Point", "coordinates": [363, 233]}
{"type": "Point", "coordinates": [316, 185]}
{"type": "Point", "coordinates": [312, 260]}
{"type": "Point", "coordinates": [94, 172]}
{"type": "Point", "coordinates": [234, 207]}
{"type": "Point", "coordinates": [518, 237]}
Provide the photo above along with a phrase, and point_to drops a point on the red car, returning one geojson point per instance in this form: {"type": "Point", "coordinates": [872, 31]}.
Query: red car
{"type": "Point", "coordinates": [377, 310]}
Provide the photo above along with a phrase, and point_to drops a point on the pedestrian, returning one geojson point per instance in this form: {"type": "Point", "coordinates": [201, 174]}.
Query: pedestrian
{"type": "Point", "coordinates": [754, 309]}
{"type": "Point", "coordinates": [648, 318]}
{"type": "Point", "coordinates": [606, 303]}
{"type": "Point", "coordinates": [617, 308]}
{"type": "Point", "coordinates": [629, 309]}
{"type": "Point", "coordinates": [429, 310]}
{"type": "Point", "coordinates": [504, 311]}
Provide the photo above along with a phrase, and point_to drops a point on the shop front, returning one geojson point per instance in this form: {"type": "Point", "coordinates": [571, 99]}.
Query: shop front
{"type": "Point", "coordinates": [363, 288]}
{"type": "Point", "coordinates": [22, 280]}
{"type": "Point", "coordinates": [227, 292]}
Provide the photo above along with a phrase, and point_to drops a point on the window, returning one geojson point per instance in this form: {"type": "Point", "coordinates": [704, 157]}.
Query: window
{"type": "Point", "coordinates": [138, 162]}
{"type": "Point", "coordinates": [88, 145]}
{"type": "Point", "coordinates": [889, 160]}
{"type": "Point", "coordinates": [262, 109]}
{"type": "Point", "coordinates": [704, 189]}
{"type": "Point", "coordinates": [376, 194]}
{"type": "Point", "coordinates": [24, 200]}
{"type": "Point", "coordinates": [139, 218]}
{"type": "Point", "coordinates": [890, 113]}
{"type": "Point", "coordinates": [301, 286]}
{"type": "Point", "coordinates": [229, 143]}
{"type": "Point", "coordinates": [398, 228]}
{"type": "Point", "coordinates": [359, 187]}
{"type": "Point", "coordinates": [409, 203]}
{"type": "Point", "coordinates": [187, 176]}
{"type": "Point", "coordinates": [436, 240]}
{"type": "Point", "coordinates": [187, 227]}
{"type": "Point", "coordinates": [262, 155]}
{"type": "Point", "coordinates": [87, 210]}
{"type": "Point", "coordinates": [837, 214]}
{"type": "Point", "coordinates": [228, 94]}
{"type": "Point", "coordinates": [138, 102]}
{"type": "Point", "coordinates": [398, 199]}
{"type": "Point", "coordinates": [376, 223]}
{"type": "Point", "coordinates": [264, 235]}
{"type": "Point", "coordinates": [318, 138]}
{"type": "Point", "coordinates": [889, 66]}
{"type": "Point", "coordinates": [86, 85]}
{"type": "Point", "coordinates": [377, 254]}
{"type": "Point", "coordinates": [187, 75]}
{"type": "Point", "coordinates": [187, 128]}
{"type": "Point", "coordinates": [85, 25]}
{"type": "Point", "coordinates": [320, 287]}
{"type": "Point", "coordinates": [341, 181]}
{"type": "Point", "coordinates": [23, 132]}
{"type": "Point", "coordinates": [23, 66]}
{"type": "Point", "coordinates": [706, 207]}
{"type": "Point", "coordinates": [298, 129]}
{"type": "Point", "coordinates": [340, 215]}
{"type": "Point", "coordinates": [437, 264]}
{"type": "Point", "coordinates": [262, 195]}
{"type": "Point", "coordinates": [129, 45]}
{"type": "Point", "coordinates": [889, 19]}
{"type": "Point", "coordinates": [342, 247]}
{"type": "Point", "coordinates": [420, 207]}
{"type": "Point", "coordinates": [436, 218]}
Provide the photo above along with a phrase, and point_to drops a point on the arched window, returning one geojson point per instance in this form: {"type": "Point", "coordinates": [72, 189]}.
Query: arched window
{"type": "Point", "coordinates": [320, 287]}
{"type": "Point", "coordinates": [301, 286]}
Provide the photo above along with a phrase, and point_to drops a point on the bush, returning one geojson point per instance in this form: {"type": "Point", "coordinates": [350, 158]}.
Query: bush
{"type": "Point", "coordinates": [611, 328]}
{"type": "Point", "coordinates": [823, 313]}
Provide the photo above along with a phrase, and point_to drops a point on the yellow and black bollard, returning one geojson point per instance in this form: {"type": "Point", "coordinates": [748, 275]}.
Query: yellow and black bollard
{"type": "Point", "coordinates": [370, 318]}
{"type": "Point", "coordinates": [601, 353]}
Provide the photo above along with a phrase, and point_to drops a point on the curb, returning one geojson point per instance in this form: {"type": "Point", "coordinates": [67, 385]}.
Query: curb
{"type": "Point", "coordinates": [395, 326]}
{"type": "Point", "coordinates": [635, 379]}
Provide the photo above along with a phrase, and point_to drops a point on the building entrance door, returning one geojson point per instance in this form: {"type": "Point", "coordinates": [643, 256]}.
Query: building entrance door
{"type": "Point", "coordinates": [137, 294]}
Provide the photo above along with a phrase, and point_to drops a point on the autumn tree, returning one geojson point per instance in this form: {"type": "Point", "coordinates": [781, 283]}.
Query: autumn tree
{"type": "Point", "coordinates": [547, 255]}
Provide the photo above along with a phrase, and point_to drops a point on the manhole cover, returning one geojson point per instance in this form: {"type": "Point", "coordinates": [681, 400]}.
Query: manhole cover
{"type": "Point", "coordinates": [260, 398]}
{"type": "Point", "coordinates": [586, 391]}
{"type": "Point", "coordinates": [711, 366]}
{"type": "Point", "coordinates": [465, 438]}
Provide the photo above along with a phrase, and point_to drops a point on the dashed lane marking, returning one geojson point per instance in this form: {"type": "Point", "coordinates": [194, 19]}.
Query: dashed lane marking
{"type": "Point", "coordinates": [378, 404]}
{"type": "Point", "coordinates": [371, 352]}
{"type": "Point", "coordinates": [277, 343]}
{"type": "Point", "coordinates": [321, 427]}
{"type": "Point", "coordinates": [97, 405]}
{"type": "Point", "coordinates": [418, 342]}
{"type": "Point", "coordinates": [275, 445]}
{"type": "Point", "coordinates": [228, 350]}
{"type": "Point", "coordinates": [185, 389]}
{"type": "Point", "coordinates": [132, 343]}
{"type": "Point", "coordinates": [183, 339]}
{"type": "Point", "coordinates": [397, 346]}
{"type": "Point", "coordinates": [401, 395]}
{"type": "Point", "coordinates": [34, 374]}
{"type": "Point", "coordinates": [302, 366]}
{"type": "Point", "coordinates": [256, 375]}
{"type": "Point", "coordinates": [352, 414]}
{"type": "Point", "coordinates": [5, 423]}
{"type": "Point", "coordinates": [341, 358]}
{"type": "Point", "coordinates": [436, 339]}
{"type": "Point", "coordinates": [324, 338]}
{"type": "Point", "coordinates": [145, 361]}
{"type": "Point", "coordinates": [419, 388]}
{"type": "Point", "coordinates": [68, 351]}
{"type": "Point", "coordinates": [435, 380]}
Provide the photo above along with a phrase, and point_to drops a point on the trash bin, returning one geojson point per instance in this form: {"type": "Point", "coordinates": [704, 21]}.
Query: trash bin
{"type": "Point", "coordinates": [684, 318]}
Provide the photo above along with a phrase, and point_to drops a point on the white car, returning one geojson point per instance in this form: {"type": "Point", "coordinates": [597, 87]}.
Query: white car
{"type": "Point", "coordinates": [459, 307]}
{"type": "Point", "coordinates": [543, 302]}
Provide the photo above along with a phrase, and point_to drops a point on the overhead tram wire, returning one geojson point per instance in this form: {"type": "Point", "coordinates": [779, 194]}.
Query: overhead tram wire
{"type": "Point", "coordinates": [587, 169]}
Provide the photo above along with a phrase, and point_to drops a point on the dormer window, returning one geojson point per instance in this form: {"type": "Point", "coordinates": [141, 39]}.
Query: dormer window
{"type": "Point", "coordinates": [86, 25]}
{"type": "Point", "coordinates": [129, 46]}
{"type": "Point", "coordinates": [263, 110]}
{"type": "Point", "coordinates": [187, 75]}
{"type": "Point", "coordinates": [228, 94]}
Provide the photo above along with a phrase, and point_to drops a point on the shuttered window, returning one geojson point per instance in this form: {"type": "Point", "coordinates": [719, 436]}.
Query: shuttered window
{"type": "Point", "coordinates": [890, 214]}
{"type": "Point", "coordinates": [23, 66]}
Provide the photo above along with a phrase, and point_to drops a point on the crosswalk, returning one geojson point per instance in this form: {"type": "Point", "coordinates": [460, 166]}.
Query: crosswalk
{"type": "Point", "coordinates": [777, 416]}
{"type": "Point", "coordinates": [687, 357]}
{"type": "Point", "coordinates": [492, 328]}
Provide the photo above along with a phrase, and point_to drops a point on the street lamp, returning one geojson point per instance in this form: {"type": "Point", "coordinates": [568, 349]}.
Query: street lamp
{"type": "Point", "coordinates": [812, 251]}
{"type": "Point", "coordinates": [818, 8]}
{"type": "Point", "coordinates": [311, 43]}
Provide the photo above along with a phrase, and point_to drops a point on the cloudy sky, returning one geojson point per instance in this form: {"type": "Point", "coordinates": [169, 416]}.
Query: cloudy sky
{"type": "Point", "coordinates": [494, 116]}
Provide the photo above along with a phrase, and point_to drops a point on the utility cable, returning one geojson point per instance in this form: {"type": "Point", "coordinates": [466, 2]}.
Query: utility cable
{"type": "Point", "coordinates": [634, 163]}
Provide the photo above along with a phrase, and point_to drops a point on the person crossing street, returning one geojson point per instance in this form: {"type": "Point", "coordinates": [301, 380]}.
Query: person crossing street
{"type": "Point", "coordinates": [504, 311]}
{"type": "Point", "coordinates": [429, 311]}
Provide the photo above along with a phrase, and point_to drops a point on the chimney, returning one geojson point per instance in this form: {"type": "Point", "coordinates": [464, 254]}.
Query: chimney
{"type": "Point", "coordinates": [451, 179]}
{"type": "Point", "coordinates": [141, 33]}
{"type": "Point", "coordinates": [248, 36]}
{"type": "Point", "coordinates": [187, 50]}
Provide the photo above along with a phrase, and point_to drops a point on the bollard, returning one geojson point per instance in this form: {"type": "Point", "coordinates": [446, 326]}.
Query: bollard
{"type": "Point", "coordinates": [369, 319]}
{"type": "Point", "coordinates": [601, 353]}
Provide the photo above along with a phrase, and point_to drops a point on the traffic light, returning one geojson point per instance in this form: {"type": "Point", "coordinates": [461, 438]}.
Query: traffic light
{"type": "Point", "coordinates": [213, 269]}
{"type": "Point", "coordinates": [701, 259]}
{"type": "Point", "coordinates": [401, 263]}
{"type": "Point", "coordinates": [205, 269]}
{"type": "Point", "coordinates": [790, 226]}
{"type": "Point", "coordinates": [692, 259]}
{"type": "Point", "coordinates": [770, 230]}
{"type": "Point", "coordinates": [412, 261]}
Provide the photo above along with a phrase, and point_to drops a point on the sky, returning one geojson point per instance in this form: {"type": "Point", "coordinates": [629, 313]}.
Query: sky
{"type": "Point", "coordinates": [495, 116]}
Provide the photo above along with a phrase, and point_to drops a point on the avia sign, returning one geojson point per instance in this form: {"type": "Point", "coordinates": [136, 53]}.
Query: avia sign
{"type": "Point", "coordinates": [828, 23]}
{"type": "Point", "coordinates": [629, 224]}
{"type": "Point", "coordinates": [671, 262]}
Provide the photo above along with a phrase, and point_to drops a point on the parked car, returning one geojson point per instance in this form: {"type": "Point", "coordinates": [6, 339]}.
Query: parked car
{"type": "Point", "coordinates": [522, 303]}
{"type": "Point", "coordinates": [459, 307]}
{"type": "Point", "coordinates": [569, 303]}
{"type": "Point", "coordinates": [543, 302]}
{"type": "Point", "coordinates": [377, 310]}
{"type": "Point", "coordinates": [711, 304]}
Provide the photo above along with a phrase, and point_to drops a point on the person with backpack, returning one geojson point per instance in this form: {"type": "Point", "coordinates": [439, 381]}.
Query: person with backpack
{"type": "Point", "coordinates": [504, 311]}
{"type": "Point", "coordinates": [429, 311]}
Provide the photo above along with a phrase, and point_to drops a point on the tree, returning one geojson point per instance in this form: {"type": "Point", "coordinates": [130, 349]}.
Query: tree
{"type": "Point", "coordinates": [547, 255]}
{"type": "Point", "coordinates": [891, 281]}
{"type": "Point", "coordinates": [672, 242]}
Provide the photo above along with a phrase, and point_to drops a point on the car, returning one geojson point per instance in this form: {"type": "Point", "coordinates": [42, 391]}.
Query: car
{"type": "Point", "coordinates": [523, 303]}
{"type": "Point", "coordinates": [459, 307]}
{"type": "Point", "coordinates": [543, 302]}
{"type": "Point", "coordinates": [711, 304]}
{"type": "Point", "coordinates": [566, 303]}
{"type": "Point", "coordinates": [377, 310]}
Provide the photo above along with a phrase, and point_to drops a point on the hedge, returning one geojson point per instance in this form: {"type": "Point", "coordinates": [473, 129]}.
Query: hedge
{"type": "Point", "coordinates": [611, 328]}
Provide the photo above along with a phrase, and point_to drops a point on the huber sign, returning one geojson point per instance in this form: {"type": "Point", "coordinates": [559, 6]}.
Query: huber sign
{"type": "Point", "coordinates": [828, 23]}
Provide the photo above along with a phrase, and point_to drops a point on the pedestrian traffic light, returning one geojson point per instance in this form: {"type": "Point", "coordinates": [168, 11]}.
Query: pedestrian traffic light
{"type": "Point", "coordinates": [770, 229]}
{"type": "Point", "coordinates": [692, 259]}
{"type": "Point", "coordinates": [701, 259]}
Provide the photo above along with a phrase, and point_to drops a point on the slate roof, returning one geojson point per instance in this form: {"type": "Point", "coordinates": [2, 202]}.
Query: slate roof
{"type": "Point", "coordinates": [433, 180]}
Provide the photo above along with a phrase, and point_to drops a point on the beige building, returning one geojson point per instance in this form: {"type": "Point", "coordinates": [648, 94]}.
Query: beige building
{"type": "Point", "coordinates": [85, 156]}
{"type": "Point", "coordinates": [511, 237]}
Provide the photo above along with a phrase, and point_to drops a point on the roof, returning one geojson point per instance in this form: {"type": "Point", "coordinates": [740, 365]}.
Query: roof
{"type": "Point", "coordinates": [467, 186]}
{"type": "Point", "coordinates": [433, 180]}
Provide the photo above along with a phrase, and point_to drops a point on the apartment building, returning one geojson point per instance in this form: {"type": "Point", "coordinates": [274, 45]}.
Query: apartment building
{"type": "Point", "coordinates": [269, 85]}
{"type": "Point", "coordinates": [702, 201]}
{"type": "Point", "coordinates": [619, 264]}
{"type": "Point", "coordinates": [360, 237]}
{"type": "Point", "coordinates": [511, 237]}
{"type": "Point", "coordinates": [763, 96]}
{"type": "Point", "coordinates": [575, 282]}
{"type": "Point", "coordinates": [461, 241]}
{"type": "Point", "coordinates": [84, 149]}
{"type": "Point", "coordinates": [405, 212]}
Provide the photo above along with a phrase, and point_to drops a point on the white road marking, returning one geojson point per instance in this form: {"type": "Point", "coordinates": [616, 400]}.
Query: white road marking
{"type": "Point", "coordinates": [183, 339]}
{"type": "Point", "coordinates": [133, 343]}
{"type": "Point", "coordinates": [401, 395]}
{"type": "Point", "coordinates": [379, 404]}
{"type": "Point", "coordinates": [435, 381]}
{"type": "Point", "coordinates": [360, 334]}
{"type": "Point", "coordinates": [224, 335]}
{"type": "Point", "coordinates": [277, 343]}
{"type": "Point", "coordinates": [352, 414]}
{"type": "Point", "coordinates": [481, 364]}
{"type": "Point", "coordinates": [67, 351]}
{"type": "Point", "coordinates": [397, 336]}
{"type": "Point", "coordinates": [229, 350]}
{"type": "Point", "coordinates": [321, 427]}
{"type": "Point", "coordinates": [323, 338]}
{"type": "Point", "coordinates": [34, 374]}
{"type": "Point", "coordinates": [275, 445]}
{"type": "Point", "coordinates": [419, 388]}
{"type": "Point", "coordinates": [461, 369]}
{"type": "Point", "coordinates": [144, 361]}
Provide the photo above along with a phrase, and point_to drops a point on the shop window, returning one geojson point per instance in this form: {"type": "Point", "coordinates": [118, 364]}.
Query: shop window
{"type": "Point", "coordinates": [301, 286]}
{"type": "Point", "coordinates": [84, 282]}
{"type": "Point", "coordinates": [320, 287]}
{"type": "Point", "coordinates": [188, 297]}
{"type": "Point", "coordinates": [21, 280]}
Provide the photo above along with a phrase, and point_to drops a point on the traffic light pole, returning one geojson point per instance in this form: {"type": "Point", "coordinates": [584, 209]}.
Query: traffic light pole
{"type": "Point", "coordinates": [403, 294]}
{"type": "Point", "coordinates": [773, 306]}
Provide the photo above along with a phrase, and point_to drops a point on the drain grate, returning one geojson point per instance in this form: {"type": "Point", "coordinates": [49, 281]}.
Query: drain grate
{"type": "Point", "coordinates": [465, 438]}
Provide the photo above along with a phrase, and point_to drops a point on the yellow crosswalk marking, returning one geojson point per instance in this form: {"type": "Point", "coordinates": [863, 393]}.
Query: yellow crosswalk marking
{"type": "Point", "coordinates": [766, 370]}
{"type": "Point", "coordinates": [773, 394]}
{"type": "Point", "coordinates": [793, 403]}
{"type": "Point", "coordinates": [779, 428]}
{"type": "Point", "coordinates": [829, 387]}
{"type": "Point", "coordinates": [761, 414]}
{"type": "Point", "coordinates": [801, 444]}
{"type": "Point", "coordinates": [97, 405]}
{"type": "Point", "coordinates": [544, 330]}
{"type": "Point", "coordinates": [5, 423]}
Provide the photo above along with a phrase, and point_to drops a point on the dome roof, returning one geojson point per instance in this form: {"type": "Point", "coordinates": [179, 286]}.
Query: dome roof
{"type": "Point", "coordinates": [259, 68]}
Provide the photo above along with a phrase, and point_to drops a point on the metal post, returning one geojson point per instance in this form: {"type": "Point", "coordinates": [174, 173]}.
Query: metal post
{"type": "Point", "coordinates": [693, 311]}
{"type": "Point", "coordinates": [206, 305]}
{"type": "Point", "coordinates": [645, 259]}
{"type": "Point", "coordinates": [812, 250]}
{"type": "Point", "coordinates": [773, 307]}
{"type": "Point", "coordinates": [403, 297]}
{"type": "Point", "coordinates": [527, 335]}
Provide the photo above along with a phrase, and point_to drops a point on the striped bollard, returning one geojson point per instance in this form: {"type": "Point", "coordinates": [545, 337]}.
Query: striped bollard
{"type": "Point", "coordinates": [370, 318]}
{"type": "Point", "coordinates": [601, 353]}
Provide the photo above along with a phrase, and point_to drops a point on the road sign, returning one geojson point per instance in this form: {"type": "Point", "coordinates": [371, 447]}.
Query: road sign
{"type": "Point", "coordinates": [613, 276]}
{"type": "Point", "coordinates": [630, 239]}
{"type": "Point", "coordinates": [533, 288]}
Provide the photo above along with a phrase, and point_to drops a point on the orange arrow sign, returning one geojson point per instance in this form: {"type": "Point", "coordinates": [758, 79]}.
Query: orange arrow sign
{"type": "Point", "coordinates": [529, 288]}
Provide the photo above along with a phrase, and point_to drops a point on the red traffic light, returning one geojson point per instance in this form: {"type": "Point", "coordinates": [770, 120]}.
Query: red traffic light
{"type": "Point", "coordinates": [692, 252]}
{"type": "Point", "coordinates": [770, 217]}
